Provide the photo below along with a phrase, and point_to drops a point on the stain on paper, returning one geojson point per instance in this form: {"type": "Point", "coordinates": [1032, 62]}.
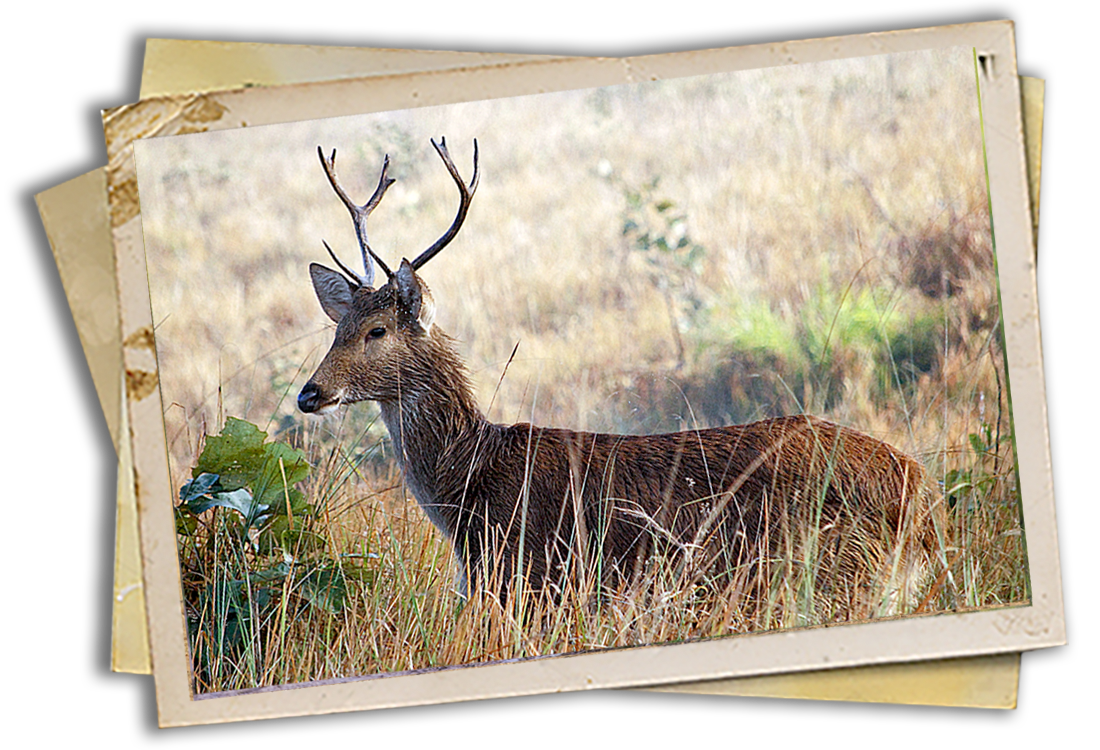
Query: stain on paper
{"type": "Point", "coordinates": [142, 338]}
{"type": "Point", "coordinates": [140, 383]}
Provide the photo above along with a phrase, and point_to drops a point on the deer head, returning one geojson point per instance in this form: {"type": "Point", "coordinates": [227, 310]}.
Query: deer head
{"type": "Point", "coordinates": [381, 334]}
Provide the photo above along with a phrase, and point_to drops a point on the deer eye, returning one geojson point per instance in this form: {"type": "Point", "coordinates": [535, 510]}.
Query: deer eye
{"type": "Point", "coordinates": [376, 333]}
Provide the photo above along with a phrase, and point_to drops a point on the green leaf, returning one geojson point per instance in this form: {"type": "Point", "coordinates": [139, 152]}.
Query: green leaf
{"type": "Point", "coordinates": [237, 454]}
{"type": "Point", "coordinates": [279, 459]}
{"type": "Point", "coordinates": [326, 588]}
{"type": "Point", "coordinates": [186, 523]}
{"type": "Point", "coordinates": [275, 573]}
{"type": "Point", "coordinates": [239, 500]}
{"type": "Point", "coordinates": [977, 444]}
{"type": "Point", "coordinates": [664, 205]}
{"type": "Point", "coordinates": [239, 458]}
{"type": "Point", "coordinates": [199, 486]}
{"type": "Point", "coordinates": [276, 499]}
{"type": "Point", "coordinates": [361, 574]}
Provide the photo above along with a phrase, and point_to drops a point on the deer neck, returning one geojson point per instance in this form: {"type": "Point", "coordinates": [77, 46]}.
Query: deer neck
{"type": "Point", "coordinates": [434, 413]}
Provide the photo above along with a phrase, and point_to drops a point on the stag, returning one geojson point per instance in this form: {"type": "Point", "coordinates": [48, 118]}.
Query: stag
{"type": "Point", "coordinates": [539, 506]}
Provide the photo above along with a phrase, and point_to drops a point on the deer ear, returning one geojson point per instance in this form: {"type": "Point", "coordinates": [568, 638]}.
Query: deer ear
{"type": "Point", "coordinates": [427, 309]}
{"type": "Point", "coordinates": [409, 296]}
{"type": "Point", "coordinates": [414, 297]}
{"type": "Point", "coordinates": [333, 291]}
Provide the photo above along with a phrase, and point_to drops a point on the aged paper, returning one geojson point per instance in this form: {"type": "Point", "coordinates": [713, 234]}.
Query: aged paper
{"type": "Point", "coordinates": [199, 117]}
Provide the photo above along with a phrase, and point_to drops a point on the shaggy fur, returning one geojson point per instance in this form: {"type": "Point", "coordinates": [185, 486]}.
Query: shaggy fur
{"type": "Point", "coordinates": [554, 503]}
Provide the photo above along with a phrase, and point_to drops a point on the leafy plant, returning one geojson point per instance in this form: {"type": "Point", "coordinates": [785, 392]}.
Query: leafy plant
{"type": "Point", "coordinates": [968, 486]}
{"type": "Point", "coordinates": [652, 227]}
{"type": "Point", "coordinates": [253, 557]}
{"type": "Point", "coordinates": [238, 470]}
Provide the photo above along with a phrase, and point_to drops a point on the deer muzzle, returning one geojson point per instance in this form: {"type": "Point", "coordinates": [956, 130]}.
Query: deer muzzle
{"type": "Point", "coordinates": [310, 399]}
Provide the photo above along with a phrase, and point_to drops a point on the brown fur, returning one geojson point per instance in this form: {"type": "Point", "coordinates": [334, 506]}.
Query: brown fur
{"type": "Point", "coordinates": [718, 500]}
{"type": "Point", "coordinates": [551, 506]}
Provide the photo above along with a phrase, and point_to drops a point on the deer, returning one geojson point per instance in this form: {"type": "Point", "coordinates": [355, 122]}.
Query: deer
{"type": "Point", "coordinates": [539, 505]}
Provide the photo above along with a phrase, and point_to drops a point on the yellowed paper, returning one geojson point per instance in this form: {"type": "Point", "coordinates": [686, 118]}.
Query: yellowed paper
{"type": "Point", "coordinates": [985, 682]}
{"type": "Point", "coordinates": [173, 67]}
{"type": "Point", "coordinates": [1032, 90]}
{"type": "Point", "coordinates": [197, 114]}
{"type": "Point", "coordinates": [75, 217]}
{"type": "Point", "coordinates": [129, 634]}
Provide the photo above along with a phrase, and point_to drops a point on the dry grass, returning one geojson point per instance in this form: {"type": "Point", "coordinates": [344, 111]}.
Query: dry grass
{"type": "Point", "coordinates": [409, 617]}
{"type": "Point", "coordinates": [846, 271]}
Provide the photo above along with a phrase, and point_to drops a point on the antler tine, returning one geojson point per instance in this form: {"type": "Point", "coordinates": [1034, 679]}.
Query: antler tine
{"type": "Point", "coordinates": [356, 279]}
{"type": "Point", "coordinates": [359, 215]}
{"type": "Point", "coordinates": [466, 193]}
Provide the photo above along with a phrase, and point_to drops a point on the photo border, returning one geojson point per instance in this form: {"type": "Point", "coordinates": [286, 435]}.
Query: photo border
{"type": "Point", "coordinates": [633, 676]}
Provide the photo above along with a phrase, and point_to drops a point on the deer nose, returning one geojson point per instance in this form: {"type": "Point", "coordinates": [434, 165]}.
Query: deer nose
{"type": "Point", "coordinates": [309, 399]}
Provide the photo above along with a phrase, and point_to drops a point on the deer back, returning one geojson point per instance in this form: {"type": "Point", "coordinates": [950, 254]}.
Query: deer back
{"type": "Point", "coordinates": [718, 499]}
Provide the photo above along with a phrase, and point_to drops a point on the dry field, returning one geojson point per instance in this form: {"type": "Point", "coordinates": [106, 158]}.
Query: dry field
{"type": "Point", "coordinates": [666, 256]}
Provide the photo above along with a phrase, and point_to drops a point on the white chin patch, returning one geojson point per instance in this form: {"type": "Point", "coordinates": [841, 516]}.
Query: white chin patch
{"type": "Point", "coordinates": [332, 406]}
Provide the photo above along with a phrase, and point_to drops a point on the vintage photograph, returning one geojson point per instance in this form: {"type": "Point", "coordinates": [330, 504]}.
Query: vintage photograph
{"type": "Point", "coordinates": [644, 364]}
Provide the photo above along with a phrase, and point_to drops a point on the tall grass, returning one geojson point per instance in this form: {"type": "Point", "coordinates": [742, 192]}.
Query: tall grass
{"type": "Point", "coordinates": [398, 608]}
{"type": "Point", "coordinates": [685, 254]}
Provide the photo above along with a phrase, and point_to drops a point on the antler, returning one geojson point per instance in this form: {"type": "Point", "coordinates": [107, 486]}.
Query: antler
{"type": "Point", "coordinates": [466, 193]}
{"type": "Point", "coordinates": [359, 216]}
